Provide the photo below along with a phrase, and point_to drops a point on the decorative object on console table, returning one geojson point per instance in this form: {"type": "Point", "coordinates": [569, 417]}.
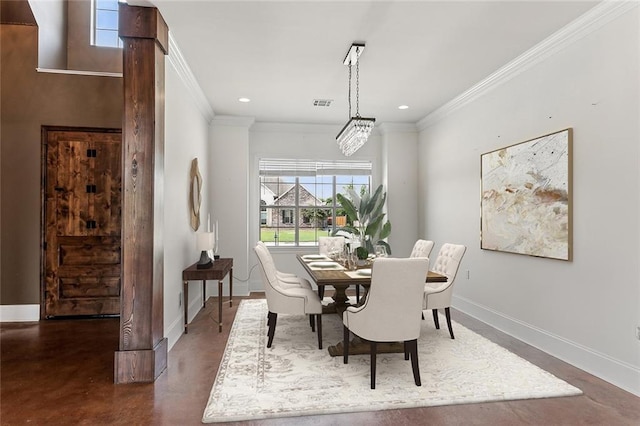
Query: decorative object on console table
{"type": "Point", "coordinates": [204, 242]}
{"type": "Point", "coordinates": [526, 197]}
{"type": "Point", "coordinates": [216, 239]}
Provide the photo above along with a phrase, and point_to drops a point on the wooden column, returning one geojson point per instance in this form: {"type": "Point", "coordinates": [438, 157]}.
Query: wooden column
{"type": "Point", "coordinates": [142, 353]}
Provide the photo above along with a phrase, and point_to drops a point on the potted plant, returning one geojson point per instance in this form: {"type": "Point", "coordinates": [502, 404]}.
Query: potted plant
{"type": "Point", "coordinates": [366, 220]}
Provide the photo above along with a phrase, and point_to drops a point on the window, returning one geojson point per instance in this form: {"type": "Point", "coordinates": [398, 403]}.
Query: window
{"type": "Point", "coordinates": [298, 198]}
{"type": "Point", "coordinates": [105, 23]}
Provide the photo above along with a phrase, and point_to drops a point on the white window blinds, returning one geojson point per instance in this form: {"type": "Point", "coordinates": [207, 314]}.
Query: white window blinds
{"type": "Point", "coordinates": [287, 167]}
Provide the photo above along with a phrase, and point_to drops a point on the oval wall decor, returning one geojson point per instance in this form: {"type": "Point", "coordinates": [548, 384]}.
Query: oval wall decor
{"type": "Point", "coordinates": [195, 198]}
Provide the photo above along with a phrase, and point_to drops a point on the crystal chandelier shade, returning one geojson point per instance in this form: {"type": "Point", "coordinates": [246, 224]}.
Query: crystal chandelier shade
{"type": "Point", "coordinates": [355, 133]}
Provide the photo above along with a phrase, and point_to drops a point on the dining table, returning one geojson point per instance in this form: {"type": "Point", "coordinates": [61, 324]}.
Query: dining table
{"type": "Point", "coordinates": [325, 271]}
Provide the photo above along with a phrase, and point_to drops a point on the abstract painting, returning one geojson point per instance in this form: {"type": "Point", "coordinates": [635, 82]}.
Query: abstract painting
{"type": "Point", "coordinates": [526, 197]}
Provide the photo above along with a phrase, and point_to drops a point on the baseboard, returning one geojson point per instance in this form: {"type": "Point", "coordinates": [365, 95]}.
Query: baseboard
{"type": "Point", "coordinates": [19, 313]}
{"type": "Point", "coordinates": [176, 328]}
{"type": "Point", "coordinates": [616, 372]}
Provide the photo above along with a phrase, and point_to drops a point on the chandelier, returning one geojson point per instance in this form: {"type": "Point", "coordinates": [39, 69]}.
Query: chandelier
{"type": "Point", "coordinates": [357, 130]}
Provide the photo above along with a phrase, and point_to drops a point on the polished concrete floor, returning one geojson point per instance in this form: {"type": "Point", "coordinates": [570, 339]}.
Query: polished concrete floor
{"type": "Point", "coordinates": [60, 372]}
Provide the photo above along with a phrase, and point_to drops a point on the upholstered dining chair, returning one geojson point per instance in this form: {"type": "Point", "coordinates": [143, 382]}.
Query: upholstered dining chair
{"type": "Point", "coordinates": [438, 295]}
{"type": "Point", "coordinates": [328, 245]}
{"type": "Point", "coordinates": [287, 279]}
{"type": "Point", "coordinates": [287, 299]}
{"type": "Point", "coordinates": [422, 248]}
{"type": "Point", "coordinates": [391, 311]}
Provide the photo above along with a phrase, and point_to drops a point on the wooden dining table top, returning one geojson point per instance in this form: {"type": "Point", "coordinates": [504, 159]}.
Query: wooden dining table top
{"type": "Point", "coordinates": [329, 277]}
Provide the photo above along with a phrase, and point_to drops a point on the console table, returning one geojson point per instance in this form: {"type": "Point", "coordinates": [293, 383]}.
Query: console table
{"type": "Point", "coordinates": [219, 270]}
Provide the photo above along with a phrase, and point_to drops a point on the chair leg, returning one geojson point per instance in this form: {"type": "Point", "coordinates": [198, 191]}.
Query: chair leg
{"type": "Point", "coordinates": [413, 348]}
{"type": "Point", "coordinates": [357, 294]}
{"type": "Point", "coordinates": [269, 320]}
{"type": "Point", "coordinates": [374, 348]}
{"type": "Point", "coordinates": [272, 327]}
{"type": "Point", "coordinates": [406, 351]}
{"type": "Point", "coordinates": [435, 318]}
{"type": "Point", "coordinates": [448, 315]}
{"type": "Point", "coordinates": [345, 345]}
{"type": "Point", "coordinates": [319, 326]}
{"type": "Point", "coordinates": [312, 322]}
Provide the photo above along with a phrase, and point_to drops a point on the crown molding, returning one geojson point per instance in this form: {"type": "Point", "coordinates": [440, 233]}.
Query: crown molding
{"type": "Point", "coordinates": [233, 121]}
{"type": "Point", "coordinates": [186, 75]}
{"type": "Point", "coordinates": [589, 22]}
{"type": "Point", "coordinates": [282, 127]}
{"type": "Point", "coordinates": [392, 127]}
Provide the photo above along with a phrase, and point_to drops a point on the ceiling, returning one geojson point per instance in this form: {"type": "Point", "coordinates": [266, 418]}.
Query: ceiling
{"type": "Point", "coordinates": [283, 55]}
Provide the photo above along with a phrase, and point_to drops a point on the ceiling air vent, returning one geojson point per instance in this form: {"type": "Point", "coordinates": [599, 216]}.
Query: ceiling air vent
{"type": "Point", "coordinates": [322, 102]}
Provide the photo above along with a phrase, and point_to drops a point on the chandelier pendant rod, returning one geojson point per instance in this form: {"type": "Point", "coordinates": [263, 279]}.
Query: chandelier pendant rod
{"type": "Point", "coordinates": [357, 86]}
{"type": "Point", "coordinates": [357, 130]}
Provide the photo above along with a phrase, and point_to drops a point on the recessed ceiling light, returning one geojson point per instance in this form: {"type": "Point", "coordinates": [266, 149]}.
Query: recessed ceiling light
{"type": "Point", "coordinates": [245, 100]}
{"type": "Point", "coordinates": [403, 107]}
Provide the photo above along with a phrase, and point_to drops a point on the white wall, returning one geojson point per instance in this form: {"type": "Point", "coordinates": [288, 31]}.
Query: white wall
{"type": "Point", "coordinates": [230, 195]}
{"type": "Point", "coordinates": [585, 311]}
{"type": "Point", "coordinates": [400, 172]}
{"type": "Point", "coordinates": [186, 138]}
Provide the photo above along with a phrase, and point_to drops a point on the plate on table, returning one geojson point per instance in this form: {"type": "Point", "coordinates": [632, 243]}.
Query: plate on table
{"type": "Point", "coordinates": [324, 265]}
{"type": "Point", "coordinates": [364, 272]}
{"type": "Point", "coordinates": [315, 257]}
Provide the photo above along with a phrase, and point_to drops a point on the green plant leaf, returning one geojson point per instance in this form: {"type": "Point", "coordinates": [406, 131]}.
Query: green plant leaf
{"type": "Point", "coordinates": [349, 229]}
{"type": "Point", "coordinates": [372, 201]}
{"type": "Point", "coordinates": [353, 197]}
{"type": "Point", "coordinates": [374, 226]}
{"type": "Point", "coordinates": [348, 207]}
{"type": "Point", "coordinates": [384, 243]}
{"type": "Point", "coordinates": [368, 211]}
{"type": "Point", "coordinates": [386, 230]}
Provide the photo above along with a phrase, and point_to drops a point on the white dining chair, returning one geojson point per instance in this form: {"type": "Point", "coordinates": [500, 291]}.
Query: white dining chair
{"type": "Point", "coordinates": [329, 245]}
{"type": "Point", "coordinates": [287, 279]}
{"type": "Point", "coordinates": [391, 311]}
{"type": "Point", "coordinates": [422, 248]}
{"type": "Point", "coordinates": [438, 295]}
{"type": "Point", "coordinates": [286, 299]}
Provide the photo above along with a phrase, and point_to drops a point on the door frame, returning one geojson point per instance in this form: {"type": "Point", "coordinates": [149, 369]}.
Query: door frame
{"type": "Point", "coordinates": [44, 131]}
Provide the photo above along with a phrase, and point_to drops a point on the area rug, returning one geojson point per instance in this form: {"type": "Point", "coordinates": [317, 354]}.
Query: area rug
{"type": "Point", "coordinates": [295, 378]}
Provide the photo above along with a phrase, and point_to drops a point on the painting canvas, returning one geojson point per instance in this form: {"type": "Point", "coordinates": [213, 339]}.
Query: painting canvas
{"type": "Point", "coordinates": [526, 197]}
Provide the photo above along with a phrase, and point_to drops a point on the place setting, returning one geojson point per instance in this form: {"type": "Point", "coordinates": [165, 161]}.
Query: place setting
{"type": "Point", "coordinates": [359, 273]}
{"type": "Point", "coordinates": [326, 265]}
{"type": "Point", "coordinates": [315, 257]}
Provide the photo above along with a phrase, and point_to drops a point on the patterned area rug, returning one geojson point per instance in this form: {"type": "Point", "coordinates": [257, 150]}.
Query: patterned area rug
{"type": "Point", "coordinates": [295, 378]}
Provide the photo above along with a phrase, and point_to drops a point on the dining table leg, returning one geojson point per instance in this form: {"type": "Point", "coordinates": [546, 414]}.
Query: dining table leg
{"type": "Point", "coordinates": [358, 346]}
{"type": "Point", "coordinates": [340, 299]}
